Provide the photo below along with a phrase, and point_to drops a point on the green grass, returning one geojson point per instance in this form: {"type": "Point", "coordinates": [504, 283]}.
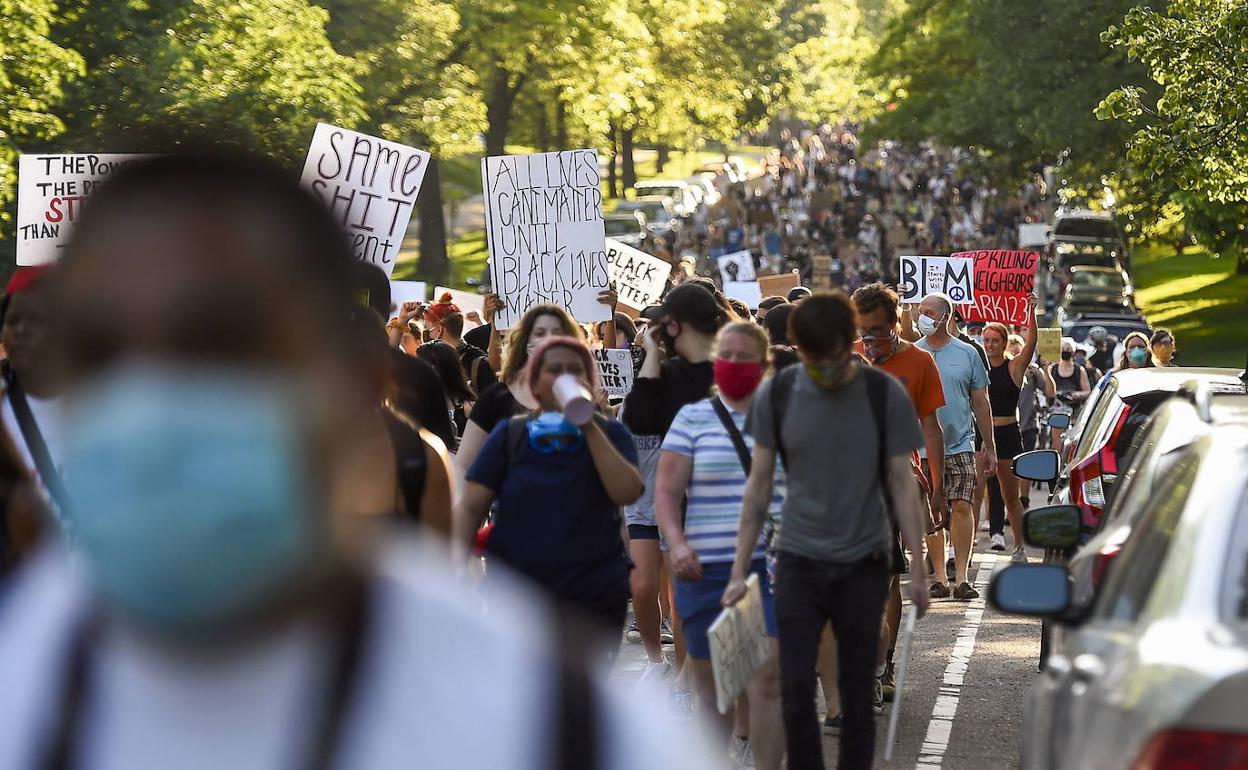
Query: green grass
{"type": "Point", "coordinates": [1199, 298]}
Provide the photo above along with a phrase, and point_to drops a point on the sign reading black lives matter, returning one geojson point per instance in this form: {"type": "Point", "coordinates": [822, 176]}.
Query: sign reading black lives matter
{"type": "Point", "coordinates": [51, 191]}
{"type": "Point", "coordinates": [543, 217]}
{"type": "Point", "coordinates": [615, 370]}
{"type": "Point", "coordinates": [639, 277]}
{"type": "Point", "coordinates": [369, 184]}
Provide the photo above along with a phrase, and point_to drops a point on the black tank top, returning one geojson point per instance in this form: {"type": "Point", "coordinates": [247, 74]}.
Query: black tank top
{"type": "Point", "coordinates": [1065, 384]}
{"type": "Point", "coordinates": [1002, 392]}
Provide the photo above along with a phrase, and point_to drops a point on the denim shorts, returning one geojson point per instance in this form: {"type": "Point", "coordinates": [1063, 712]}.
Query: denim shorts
{"type": "Point", "coordinates": [698, 603]}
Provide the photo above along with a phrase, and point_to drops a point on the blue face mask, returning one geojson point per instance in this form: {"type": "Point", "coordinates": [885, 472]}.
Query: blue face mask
{"type": "Point", "coordinates": [188, 495]}
{"type": "Point", "coordinates": [550, 433]}
{"type": "Point", "coordinates": [1138, 356]}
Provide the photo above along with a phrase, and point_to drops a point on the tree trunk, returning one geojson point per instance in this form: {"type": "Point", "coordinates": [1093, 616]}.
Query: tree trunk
{"type": "Point", "coordinates": [630, 167]}
{"type": "Point", "coordinates": [1241, 265]}
{"type": "Point", "coordinates": [543, 129]}
{"type": "Point", "coordinates": [433, 261]}
{"type": "Point", "coordinates": [498, 109]}
{"type": "Point", "coordinates": [613, 186]}
{"type": "Point", "coordinates": [663, 155]}
{"type": "Point", "coordinates": [561, 126]}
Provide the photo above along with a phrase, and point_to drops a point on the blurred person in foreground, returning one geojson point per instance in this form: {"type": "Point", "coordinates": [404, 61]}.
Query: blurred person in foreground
{"type": "Point", "coordinates": [225, 605]}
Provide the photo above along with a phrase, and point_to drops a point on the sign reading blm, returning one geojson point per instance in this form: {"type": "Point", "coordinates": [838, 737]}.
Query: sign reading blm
{"type": "Point", "coordinates": [369, 185]}
{"type": "Point", "coordinates": [950, 276]}
{"type": "Point", "coordinates": [543, 217]}
{"type": "Point", "coordinates": [51, 191]}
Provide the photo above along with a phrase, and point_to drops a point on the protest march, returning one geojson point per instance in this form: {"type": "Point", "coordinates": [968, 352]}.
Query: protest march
{"type": "Point", "coordinates": [556, 387]}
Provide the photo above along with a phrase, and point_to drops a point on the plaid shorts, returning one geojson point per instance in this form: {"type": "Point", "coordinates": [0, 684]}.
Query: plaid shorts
{"type": "Point", "coordinates": [960, 475]}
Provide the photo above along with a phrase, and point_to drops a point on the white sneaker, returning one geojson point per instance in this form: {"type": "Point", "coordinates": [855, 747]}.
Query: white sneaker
{"type": "Point", "coordinates": [741, 754]}
{"type": "Point", "coordinates": [984, 526]}
{"type": "Point", "coordinates": [1019, 556]}
{"type": "Point", "coordinates": [665, 633]}
{"type": "Point", "coordinates": [654, 673]}
{"type": "Point", "coordinates": [633, 634]}
{"type": "Point", "coordinates": [998, 542]}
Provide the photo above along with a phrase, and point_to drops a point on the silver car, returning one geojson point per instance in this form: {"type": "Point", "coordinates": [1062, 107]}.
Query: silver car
{"type": "Point", "coordinates": [1156, 670]}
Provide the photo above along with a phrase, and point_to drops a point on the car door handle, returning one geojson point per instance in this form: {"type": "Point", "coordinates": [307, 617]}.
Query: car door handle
{"type": "Point", "coordinates": [1087, 667]}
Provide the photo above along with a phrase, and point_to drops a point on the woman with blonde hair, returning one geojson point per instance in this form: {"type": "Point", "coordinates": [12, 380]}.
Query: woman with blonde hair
{"type": "Point", "coordinates": [1136, 353]}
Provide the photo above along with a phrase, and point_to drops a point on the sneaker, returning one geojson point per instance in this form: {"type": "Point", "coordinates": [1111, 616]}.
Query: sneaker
{"type": "Point", "coordinates": [965, 592]}
{"type": "Point", "coordinates": [890, 684]}
{"type": "Point", "coordinates": [878, 701]}
{"type": "Point", "coordinates": [938, 591]}
{"type": "Point", "coordinates": [832, 725]}
{"type": "Point", "coordinates": [742, 753]}
{"type": "Point", "coordinates": [998, 542]}
{"type": "Point", "coordinates": [665, 633]}
{"type": "Point", "coordinates": [654, 673]}
{"type": "Point", "coordinates": [633, 634]}
{"type": "Point", "coordinates": [984, 525]}
{"type": "Point", "coordinates": [1019, 556]}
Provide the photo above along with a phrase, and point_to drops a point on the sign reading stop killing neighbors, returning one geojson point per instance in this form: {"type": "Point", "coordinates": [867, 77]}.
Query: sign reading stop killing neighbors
{"type": "Point", "coordinates": [951, 276]}
{"type": "Point", "coordinates": [1003, 281]}
{"type": "Point", "coordinates": [51, 191]}
{"type": "Point", "coordinates": [543, 216]}
{"type": "Point", "coordinates": [370, 185]}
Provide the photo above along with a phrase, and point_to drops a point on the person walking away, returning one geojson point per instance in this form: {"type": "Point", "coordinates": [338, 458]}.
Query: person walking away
{"type": "Point", "coordinates": [157, 636]}
{"type": "Point", "coordinates": [965, 382]}
{"type": "Point", "coordinates": [1005, 386]}
{"type": "Point", "coordinates": [677, 370]}
{"type": "Point", "coordinates": [705, 459]}
{"type": "Point", "coordinates": [835, 538]}
{"type": "Point", "coordinates": [559, 488]}
{"type": "Point", "coordinates": [446, 362]}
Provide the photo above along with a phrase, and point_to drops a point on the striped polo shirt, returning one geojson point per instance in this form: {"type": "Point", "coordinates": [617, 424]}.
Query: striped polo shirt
{"type": "Point", "coordinates": [718, 481]}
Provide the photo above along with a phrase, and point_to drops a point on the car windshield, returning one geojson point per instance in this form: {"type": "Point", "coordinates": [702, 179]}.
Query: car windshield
{"type": "Point", "coordinates": [622, 227]}
{"type": "Point", "coordinates": [1091, 256]}
{"type": "Point", "coordinates": [1097, 280]}
{"type": "Point", "coordinates": [674, 192]}
{"type": "Point", "coordinates": [655, 212]}
{"type": "Point", "coordinates": [1086, 228]}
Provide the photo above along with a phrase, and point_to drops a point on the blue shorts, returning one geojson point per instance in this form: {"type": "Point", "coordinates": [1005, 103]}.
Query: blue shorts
{"type": "Point", "coordinates": [698, 604]}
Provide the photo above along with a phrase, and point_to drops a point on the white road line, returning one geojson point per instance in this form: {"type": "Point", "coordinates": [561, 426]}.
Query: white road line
{"type": "Point", "coordinates": [940, 727]}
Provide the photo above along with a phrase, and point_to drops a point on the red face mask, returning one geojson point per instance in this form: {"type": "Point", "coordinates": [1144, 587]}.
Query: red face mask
{"type": "Point", "coordinates": [737, 379]}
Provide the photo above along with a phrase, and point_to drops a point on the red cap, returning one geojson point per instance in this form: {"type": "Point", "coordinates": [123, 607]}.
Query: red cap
{"type": "Point", "coordinates": [441, 309]}
{"type": "Point", "coordinates": [24, 279]}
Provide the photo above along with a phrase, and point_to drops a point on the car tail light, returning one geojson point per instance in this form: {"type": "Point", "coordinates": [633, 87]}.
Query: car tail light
{"type": "Point", "coordinates": [1094, 492]}
{"type": "Point", "coordinates": [1086, 489]}
{"type": "Point", "coordinates": [1194, 750]}
{"type": "Point", "coordinates": [1101, 564]}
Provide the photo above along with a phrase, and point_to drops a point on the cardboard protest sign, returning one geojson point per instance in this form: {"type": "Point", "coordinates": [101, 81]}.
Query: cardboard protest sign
{"type": "Point", "coordinates": [778, 285]}
{"type": "Point", "coordinates": [739, 645]}
{"type": "Point", "coordinates": [1049, 344]}
{"type": "Point", "coordinates": [51, 191]}
{"type": "Point", "coordinates": [748, 292]}
{"type": "Point", "coordinates": [1003, 281]}
{"type": "Point", "coordinates": [1033, 235]}
{"type": "Point", "coordinates": [406, 291]}
{"type": "Point", "coordinates": [615, 370]}
{"type": "Point", "coordinates": [543, 216]}
{"type": "Point", "coordinates": [369, 184]}
{"type": "Point", "coordinates": [639, 277]}
{"type": "Point", "coordinates": [952, 276]}
{"type": "Point", "coordinates": [737, 266]}
{"type": "Point", "coordinates": [464, 300]}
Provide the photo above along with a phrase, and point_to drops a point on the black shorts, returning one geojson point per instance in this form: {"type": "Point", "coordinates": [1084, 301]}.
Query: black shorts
{"type": "Point", "coordinates": [1009, 441]}
{"type": "Point", "coordinates": [642, 532]}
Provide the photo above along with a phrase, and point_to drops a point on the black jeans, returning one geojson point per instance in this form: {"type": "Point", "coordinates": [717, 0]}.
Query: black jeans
{"type": "Point", "coordinates": [809, 594]}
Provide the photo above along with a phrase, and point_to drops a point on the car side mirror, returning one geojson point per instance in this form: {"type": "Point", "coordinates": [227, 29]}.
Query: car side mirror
{"type": "Point", "coordinates": [1037, 465]}
{"type": "Point", "coordinates": [1058, 420]}
{"type": "Point", "coordinates": [1054, 526]}
{"type": "Point", "coordinates": [1034, 590]}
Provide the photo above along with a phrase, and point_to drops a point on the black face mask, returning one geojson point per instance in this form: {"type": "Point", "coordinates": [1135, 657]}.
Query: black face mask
{"type": "Point", "coordinates": [1067, 355]}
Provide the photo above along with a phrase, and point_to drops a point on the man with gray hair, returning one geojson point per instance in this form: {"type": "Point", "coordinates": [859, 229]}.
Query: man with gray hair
{"type": "Point", "coordinates": [965, 381]}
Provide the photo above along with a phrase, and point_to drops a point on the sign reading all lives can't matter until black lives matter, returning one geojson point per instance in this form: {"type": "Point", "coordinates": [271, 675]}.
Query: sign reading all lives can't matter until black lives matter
{"type": "Point", "coordinates": [543, 218]}
{"type": "Point", "coordinates": [370, 185]}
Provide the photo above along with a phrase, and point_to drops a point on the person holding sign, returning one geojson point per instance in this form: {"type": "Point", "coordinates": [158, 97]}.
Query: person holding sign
{"type": "Point", "coordinates": [1005, 386]}
{"type": "Point", "coordinates": [559, 487]}
{"type": "Point", "coordinates": [705, 460]}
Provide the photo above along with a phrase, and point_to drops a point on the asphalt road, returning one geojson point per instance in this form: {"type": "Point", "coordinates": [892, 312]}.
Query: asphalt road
{"type": "Point", "coordinates": [969, 668]}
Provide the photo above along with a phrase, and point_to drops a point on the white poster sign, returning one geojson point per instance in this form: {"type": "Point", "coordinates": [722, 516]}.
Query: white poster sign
{"type": "Point", "coordinates": [739, 645]}
{"type": "Point", "coordinates": [543, 217]}
{"type": "Point", "coordinates": [954, 276]}
{"type": "Point", "coordinates": [737, 267]}
{"type": "Point", "coordinates": [406, 291]}
{"type": "Point", "coordinates": [464, 300]}
{"type": "Point", "coordinates": [51, 191]}
{"type": "Point", "coordinates": [369, 184]}
{"type": "Point", "coordinates": [639, 277]}
{"type": "Point", "coordinates": [749, 292]}
{"type": "Point", "coordinates": [615, 370]}
{"type": "Point", "coordinates": [1033, 235]}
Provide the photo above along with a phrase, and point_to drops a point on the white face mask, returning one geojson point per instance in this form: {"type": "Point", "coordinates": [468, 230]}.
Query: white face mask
{"type": "Point", "coordinates": [927, 326]}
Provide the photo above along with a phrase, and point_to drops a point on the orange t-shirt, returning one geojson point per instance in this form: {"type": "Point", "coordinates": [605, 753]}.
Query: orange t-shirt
{"type": "Point", "coordinates": [917, 371]}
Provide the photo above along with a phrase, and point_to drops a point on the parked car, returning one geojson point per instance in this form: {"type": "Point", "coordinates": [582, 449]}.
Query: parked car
{"type": "Point", "coordinates": [684, 200]}
{"type": "Point", "coordinates": [659, 213]}
{"type": "Point", "coordinates": [1076, 306]}
{"type": "Point", "coordinates": [626, 227]}
{"type": "Point", "coordinates": [1117, 324]}
{"type": "Point", "coordinates": [1105, 280]}
{"type": "Point", "coordinates": [1154, 674]}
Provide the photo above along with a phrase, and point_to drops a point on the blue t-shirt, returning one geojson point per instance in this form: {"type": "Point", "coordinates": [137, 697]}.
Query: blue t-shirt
{"type": "Point", "coordinates": [717, 483]}
{"type": "Point", "coordinates": [961, 372]}
{"type": "Point", "coordinates": [555, 522]}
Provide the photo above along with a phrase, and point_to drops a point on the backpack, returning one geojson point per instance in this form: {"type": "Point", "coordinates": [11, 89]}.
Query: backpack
{"type": "Point", "coordinates": [470, 358]}
{"type": "Point", "coordinates": [877, 395]}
